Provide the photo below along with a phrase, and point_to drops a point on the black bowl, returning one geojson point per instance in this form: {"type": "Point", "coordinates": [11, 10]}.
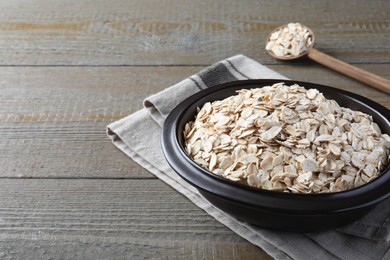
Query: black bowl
{"type": "Point", "coordinates": [276, 210]}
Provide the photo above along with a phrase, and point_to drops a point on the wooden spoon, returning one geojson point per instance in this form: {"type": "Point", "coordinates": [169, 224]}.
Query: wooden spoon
{"type": "Point", "coordinates": [335, 64]}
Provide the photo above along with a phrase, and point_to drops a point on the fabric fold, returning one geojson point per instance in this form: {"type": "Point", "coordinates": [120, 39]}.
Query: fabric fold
{"type": "Point", "coordinates": [138, 136]}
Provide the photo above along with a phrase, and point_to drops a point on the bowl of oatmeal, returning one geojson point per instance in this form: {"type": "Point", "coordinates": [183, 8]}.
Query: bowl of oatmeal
{"type": "Point", "coordinates": [286, 155]}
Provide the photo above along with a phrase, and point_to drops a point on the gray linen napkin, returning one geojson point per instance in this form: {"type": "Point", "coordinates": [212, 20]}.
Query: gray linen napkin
{"type": "Point", "coordinates": [138, 136]}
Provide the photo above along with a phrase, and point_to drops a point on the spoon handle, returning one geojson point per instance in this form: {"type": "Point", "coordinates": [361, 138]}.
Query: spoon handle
{"type": "Point", "coordinates": [349, 70]}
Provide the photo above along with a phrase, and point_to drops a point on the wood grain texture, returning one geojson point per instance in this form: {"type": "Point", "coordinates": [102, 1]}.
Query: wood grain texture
{"type": "Point", "coordinates": [68, 68]}
{"type": "Point", "coordinates": [110, 219]}
{"type": "Point", "coordinates": [53, 119]}
{"type": "Point", "coordinates": [175, 32]}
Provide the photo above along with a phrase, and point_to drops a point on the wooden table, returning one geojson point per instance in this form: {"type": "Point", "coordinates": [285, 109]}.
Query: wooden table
{"type": "Point", "coordinates": [69, 68]}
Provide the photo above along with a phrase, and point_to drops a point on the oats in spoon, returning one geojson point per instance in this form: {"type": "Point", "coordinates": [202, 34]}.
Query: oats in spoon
{"type": "Point", "coordinates": [290, 41]}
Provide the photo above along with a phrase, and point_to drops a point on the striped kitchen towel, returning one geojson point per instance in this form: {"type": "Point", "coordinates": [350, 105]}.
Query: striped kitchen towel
{"type": "Point", "coordinates": [138, 136]}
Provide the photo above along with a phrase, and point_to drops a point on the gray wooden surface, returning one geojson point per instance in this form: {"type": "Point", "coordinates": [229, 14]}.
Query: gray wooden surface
{"type": "Point", "coordinates": [68, 68]}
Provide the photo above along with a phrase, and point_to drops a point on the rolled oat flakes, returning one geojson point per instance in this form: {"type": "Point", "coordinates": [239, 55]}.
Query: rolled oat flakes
{"type": "Point", "coordinates": [290, 41]}
{"type": "Point", "coordinates": [287, 138]}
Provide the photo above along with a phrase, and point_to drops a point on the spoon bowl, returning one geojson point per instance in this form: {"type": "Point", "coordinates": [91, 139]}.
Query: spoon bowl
{"type": "Point", "coordinates": [290, 57]}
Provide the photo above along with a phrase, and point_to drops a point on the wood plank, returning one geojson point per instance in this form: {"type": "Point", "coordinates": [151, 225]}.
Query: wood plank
{"type": "Point", "coordinates": [132, 219]}
{"type": "Point", "coordinates": [52, 120]}
{"type": "Point", "coordinates": [134, 32]}
{"type": "Point", "coordinates": [63, 150]}
{"type": "Point", "coordinates": [105, 94]}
